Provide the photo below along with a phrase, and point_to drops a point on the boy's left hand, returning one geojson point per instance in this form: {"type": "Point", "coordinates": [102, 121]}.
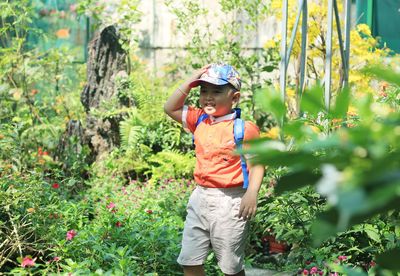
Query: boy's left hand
{"type": "Point", "coordinates": [248, 205]}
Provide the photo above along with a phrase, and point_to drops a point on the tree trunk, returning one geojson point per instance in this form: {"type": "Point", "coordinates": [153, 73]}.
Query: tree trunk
{"type": "Point", "coordinates": [107, 69]}
{"type": "Point", "coordinates": [107, 61]}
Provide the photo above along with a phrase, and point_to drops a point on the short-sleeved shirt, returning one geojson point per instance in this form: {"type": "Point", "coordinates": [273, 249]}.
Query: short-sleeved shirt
{"type": "Point", "coordinates": [217, 165]}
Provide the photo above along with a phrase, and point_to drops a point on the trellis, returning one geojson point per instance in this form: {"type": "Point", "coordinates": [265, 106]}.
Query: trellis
{"type": "Point", "coordinates": [344, 45]}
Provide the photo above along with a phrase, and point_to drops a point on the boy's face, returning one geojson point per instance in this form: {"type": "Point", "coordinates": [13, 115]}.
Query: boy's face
{"type": "Point", "coordinates": [217, 100]}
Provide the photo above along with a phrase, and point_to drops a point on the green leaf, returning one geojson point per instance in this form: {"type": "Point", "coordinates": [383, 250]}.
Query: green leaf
{"type": "Point", "coordinates": [280, 159]}
{"type": "Point", "coordinates": [294, 128]}
{"type": "Point", "coordinates": [324, 226]}
{"type": "Point", "coordinates": [269, 68]}
{"type": "Point", "coordinates": [390, 259]}
{"type": "Point", "coordinates": [312, 101]}
{"type": "Point", "coordinates": [351, 271]}
{"type": "Point", "coordinates": [372, 233]}
{"type": "Point", "coordinates": [383, 73]}
{"type": "Point", "coordinates": [342, 104]}
{"type": "Point", "coordinates": [331, 142]}
{"type": "Point", "coordinates": [296, 180]}
{"type": "Point", "coordinates": [269, 100]}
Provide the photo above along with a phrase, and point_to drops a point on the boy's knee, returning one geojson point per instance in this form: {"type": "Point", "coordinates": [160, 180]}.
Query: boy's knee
{"type": "Point", "coordinates": [193, 270]}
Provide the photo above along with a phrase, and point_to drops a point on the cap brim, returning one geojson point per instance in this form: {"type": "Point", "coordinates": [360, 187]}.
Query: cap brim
{"type": "Point", "coordinates": [194, 83]}
{"type": "Point", "coordinates": [212, 81]}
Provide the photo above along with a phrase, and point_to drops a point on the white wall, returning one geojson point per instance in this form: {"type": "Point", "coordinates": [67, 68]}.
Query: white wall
{"type": "Point", "coordinates": [161, 36]}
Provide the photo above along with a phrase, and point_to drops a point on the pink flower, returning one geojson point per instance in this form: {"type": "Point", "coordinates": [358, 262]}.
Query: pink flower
{"type": "Point", "coordinates": [149, 211]}
{"type": "Point", "coordinates": [334, 274]}
{"type": "Point", "coordinates": [372, 263]}
{"type": "Point", "coordinates": [55, 186]}
{"type": "Point", "coordinates": [118, 224]}
{"type": "Point", "coordinates": [305, 272]}
{"type": "Point", "coordinates": [314, 270]}
{"type": "Point", "coordinates": [28, 262]}
{"type": "Point", "coordinates": [55, 259]}
{"type": "Point", "coordinates": [71, 234]}
{"type": "Point", "coordinates": [320, 272]}
{"type": "Point", "coordinates": [111, 205]}
{"type": "Point", "coordinates": [342, 258]}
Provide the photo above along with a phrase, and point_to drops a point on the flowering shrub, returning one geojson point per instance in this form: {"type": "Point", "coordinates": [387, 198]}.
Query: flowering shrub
{"type": "Point", "coordinates": [134, 229]}
{"type": "Point", "coordinates": [31, 211]}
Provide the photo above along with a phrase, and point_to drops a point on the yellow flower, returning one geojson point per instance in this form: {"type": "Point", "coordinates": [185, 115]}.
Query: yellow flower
{"type": "Point", "coordinates": [315, 129]}
{"type": "Point", "coordinates": [290, 93]}
{"type": "Point", "coordinates": [17, 93]}
{"type": "Point", "coordinates": [364, 28]}
{"type": "Point", "coordinates": [273, 133]}
{"type": "Point", "coordinates": [30, 210]}
{"type": "Point", "coordinates": [352, 111]}
{"type": "Point", "coordinates": [270, 44]}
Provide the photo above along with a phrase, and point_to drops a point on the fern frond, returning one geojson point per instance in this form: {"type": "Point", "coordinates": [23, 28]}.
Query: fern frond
{"type": "Point", "coordinates": [171, 164]}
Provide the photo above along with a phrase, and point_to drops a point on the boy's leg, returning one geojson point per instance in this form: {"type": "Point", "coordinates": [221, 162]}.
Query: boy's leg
{"type": "Point", "coordinates": [196, 236]}
{"type": "Point", "coordinates": [241, 273]}
{"type": "Point", "coordinates": [196, 270]}
{"type": "Point", "coordinates": [228, 234]}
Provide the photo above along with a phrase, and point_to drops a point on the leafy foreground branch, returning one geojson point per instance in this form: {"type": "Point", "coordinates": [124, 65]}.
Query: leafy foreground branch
{"type": "Point", "coordinates": [354, 165]}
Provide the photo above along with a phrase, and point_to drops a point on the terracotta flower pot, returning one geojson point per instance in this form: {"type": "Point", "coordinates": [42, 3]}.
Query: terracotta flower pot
{"type": "Point", "coordinates": [274, 246]}
{"type": "Point", "coordinates": [277, 247]}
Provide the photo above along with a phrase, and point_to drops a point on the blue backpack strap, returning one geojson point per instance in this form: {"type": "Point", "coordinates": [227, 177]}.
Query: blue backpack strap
{"type": "Point", "coordinates": [238, 133]}
{"type": "Point", "coordinates": [199, 120]}
{"type": "Point", "coordinates": [238, 112]}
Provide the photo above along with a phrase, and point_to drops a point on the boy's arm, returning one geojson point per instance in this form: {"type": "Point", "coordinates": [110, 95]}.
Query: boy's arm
{"type": "Point", "coordinates": [174, 105]}
{"type": "Point", "coordinates": [248, 205]}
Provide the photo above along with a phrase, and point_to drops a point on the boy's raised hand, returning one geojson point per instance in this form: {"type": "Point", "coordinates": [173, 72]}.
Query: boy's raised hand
{"type": "Point", "coordinates": [174, 105]}
{"type": "Point", "coordinates": [196, 75]}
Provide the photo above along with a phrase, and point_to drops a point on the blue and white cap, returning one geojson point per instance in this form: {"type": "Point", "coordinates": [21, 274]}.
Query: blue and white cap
{"type": "Point", "coordinates": [219, 74]}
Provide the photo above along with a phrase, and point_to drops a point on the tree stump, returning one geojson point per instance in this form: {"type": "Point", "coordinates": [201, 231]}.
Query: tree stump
{"type": "Point", "coordinates": [107, 61]}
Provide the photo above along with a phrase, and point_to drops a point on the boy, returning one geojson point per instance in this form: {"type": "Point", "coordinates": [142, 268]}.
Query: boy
{"type": "Point", "coordinates": [219, 208]}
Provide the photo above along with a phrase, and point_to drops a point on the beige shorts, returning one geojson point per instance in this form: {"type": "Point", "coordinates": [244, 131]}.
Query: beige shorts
{"type": "Point", "coordinates": [213, 221]}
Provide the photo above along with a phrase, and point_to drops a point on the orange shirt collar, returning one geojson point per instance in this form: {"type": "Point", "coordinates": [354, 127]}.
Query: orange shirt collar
{"type": "Point", "coordinates": [227, 117]}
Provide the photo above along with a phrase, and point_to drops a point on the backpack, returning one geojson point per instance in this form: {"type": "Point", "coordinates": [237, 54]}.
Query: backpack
{"type": "Point", "coordinates": [238, 134]}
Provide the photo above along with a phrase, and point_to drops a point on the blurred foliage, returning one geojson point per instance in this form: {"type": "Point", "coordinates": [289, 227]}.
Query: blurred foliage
{"type": "Point", "coordinates": [353, 165]}
{"type": "Point", "coordinates": [39, 91]}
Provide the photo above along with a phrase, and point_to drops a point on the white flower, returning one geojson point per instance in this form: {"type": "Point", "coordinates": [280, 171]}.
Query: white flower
{"type": "Point", "coordinates": [328, 184]}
